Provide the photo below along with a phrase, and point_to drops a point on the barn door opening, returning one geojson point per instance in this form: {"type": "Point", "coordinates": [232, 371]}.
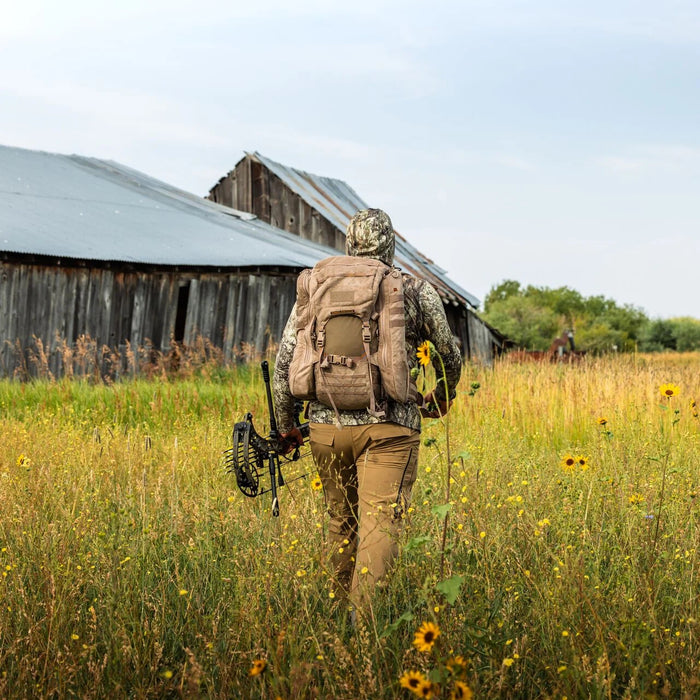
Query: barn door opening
{"type": "Point", "coordinates": [183, 299]}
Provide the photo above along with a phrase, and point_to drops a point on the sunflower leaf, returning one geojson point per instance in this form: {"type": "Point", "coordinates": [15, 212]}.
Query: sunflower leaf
{"type": "Point", "coordinates": [450, 588]}
{"type": "Point", "coordinates": [416, 542]}
{"type": "Point", "coordinates": [390, 629]}
{"type": "Point", "coordinates": [443, 510]}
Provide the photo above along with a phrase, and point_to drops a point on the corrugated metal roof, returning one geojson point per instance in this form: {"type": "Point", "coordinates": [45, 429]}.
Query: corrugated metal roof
{"type": "Point", "coordinates": [338, 202]}
{"type": "Point", "coordinates": [76, 207]}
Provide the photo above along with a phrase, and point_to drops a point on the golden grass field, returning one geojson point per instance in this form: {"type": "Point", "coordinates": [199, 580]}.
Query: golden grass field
{"type": "Point", "coordinates": [133, 567]}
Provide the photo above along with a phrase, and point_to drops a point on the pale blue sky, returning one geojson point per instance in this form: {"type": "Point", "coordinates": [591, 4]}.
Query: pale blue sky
{"type": "Point", "coordinates": [554, 142]}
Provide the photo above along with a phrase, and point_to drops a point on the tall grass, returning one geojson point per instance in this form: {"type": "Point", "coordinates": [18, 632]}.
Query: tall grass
{"type": "Point", "coordinates": [133, 567]}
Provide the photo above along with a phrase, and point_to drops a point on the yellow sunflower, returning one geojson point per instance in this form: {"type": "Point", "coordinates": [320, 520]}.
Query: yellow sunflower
{"type": "Point", "coordinates": [602, 421]}
{"type": "Point", "coordinates": [582, 462]}
{"type": "Point", "coordinates": [412, 680]}
{"type": "Point", "coordinates": [461, 691]}
{"type": "Point", "coordinates": [423, 354]}
{"type": "Point", "coordinates": [425, 636]}
{"type": "Point", "coordinates": [669, 390]}
{"type": "Point", "coordinates": [425, 690]}
{"type": "Point", "coordinates": [456, 664]}
{"type": "Point", "coordinates": [258, 667]}
{"type": "Point", "coordinates": [316, 483]}
{"type": "Point", "coordinates": [568, 461]}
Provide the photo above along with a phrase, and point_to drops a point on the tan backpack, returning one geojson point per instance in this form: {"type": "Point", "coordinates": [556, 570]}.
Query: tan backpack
{"type": "Point", "coordinates": [351, 340]}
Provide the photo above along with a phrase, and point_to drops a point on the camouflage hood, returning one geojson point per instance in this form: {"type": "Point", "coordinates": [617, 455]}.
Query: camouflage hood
{"type": "Point", "coordinates": [371, 235]}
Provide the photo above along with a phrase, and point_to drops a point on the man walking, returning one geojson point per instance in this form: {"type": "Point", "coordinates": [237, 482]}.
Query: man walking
{"type": "Point", "coordinates": [367, 458]}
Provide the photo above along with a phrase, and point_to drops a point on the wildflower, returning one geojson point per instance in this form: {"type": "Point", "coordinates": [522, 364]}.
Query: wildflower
{"type": "Point", "coordinates": [316, 484]}
{"type": "Point", "coordinates": [582, 462]}
{"type": "Point", "coordinates": [301, 573]}
{"type": "Point", "coordinates": [636, 498]}
{"type": "Point", "coordinates": [183, 591]}
{"type": "Point", "coordinates": [167, 674]}
{"type": "Point", "coordinates": [669, 390]}
{"type": "Point", "coordinates": [425, 636]}
{"type": "Point", "coordinates": [423, 353]}
{"type": "Point", "coordinates": [425, 690]}
{"type": "Point", "coordinates": [508, 661]}
{"type": "Point", "coordinates": [457, 664]}
{"type": "Point", "coordinates": [568, 461]}
{"type": "Point", "coordinates": [23, 461]}
{"type": "Point", "coordinates": [258, 667]}
{"type": "Point", "coordinates": [461, 691]}
{"type": "Point", "coordinates": [602, 421]}
{"type": "Point", "coordinates": [412, 680]}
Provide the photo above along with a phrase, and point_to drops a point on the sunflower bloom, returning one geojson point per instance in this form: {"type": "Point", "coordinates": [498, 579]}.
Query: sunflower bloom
{"type": "Point", "coordinates": [457, 664]}
{"type": "Point", "coordinates": [258, 667]}
{"type": "Point", "coordinates": [568, 462]}
{"type": "Point", "coordinates": [669, 390]}
{"type": "Point", "coordinates": [582, 462]}
{"type": "Point", "coordinates": [423, 353]}
{"type": "Point", "coordinates": [461, 691]}
{"type": "Point", "coordinates": [425, 690]}
{"type": "Point", "coordinates": [316, 484]}
{"type": "Point", "coordinates": [425, 636]}
{"type": "Point", "coordinates": [602, 421]}
{"type": "Point", "coordinates": [412, 680]}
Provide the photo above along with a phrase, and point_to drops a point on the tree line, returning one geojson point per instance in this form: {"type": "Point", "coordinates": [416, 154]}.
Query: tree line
{"type": "Point", "coordinates": [533, 316]}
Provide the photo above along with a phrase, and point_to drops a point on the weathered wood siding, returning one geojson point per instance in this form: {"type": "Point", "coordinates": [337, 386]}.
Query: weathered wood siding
{"type": "Point", "coordinates": [232, 309]}
{"type": "Point", "coordinates": [481, 342]}
{"type": "Point", "coordinates": [251, 187]}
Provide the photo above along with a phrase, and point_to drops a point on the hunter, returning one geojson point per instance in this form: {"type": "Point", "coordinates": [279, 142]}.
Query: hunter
{"type": "Point", "coordinates": [367, 458]}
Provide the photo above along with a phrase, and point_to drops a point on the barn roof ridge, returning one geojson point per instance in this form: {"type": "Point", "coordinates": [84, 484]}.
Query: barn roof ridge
{"type": "Point", "coordinates": [338, 202]}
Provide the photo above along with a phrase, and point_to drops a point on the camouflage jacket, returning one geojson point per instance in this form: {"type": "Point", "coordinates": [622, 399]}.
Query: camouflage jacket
{"type": "Point", "coordinates": [425, 320]}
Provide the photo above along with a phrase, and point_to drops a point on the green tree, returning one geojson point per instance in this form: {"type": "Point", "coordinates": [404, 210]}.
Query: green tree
{"type": "Point", "coordinates": [657, 335]}
{"type": "Point", "coordinates": [533, 316]}
{"type": "Point", "coordinates": [501, 292]}
{"type": "Point", "coordinates": [525, 322]}
{"type": "Point", "coordinates": [686, 331]}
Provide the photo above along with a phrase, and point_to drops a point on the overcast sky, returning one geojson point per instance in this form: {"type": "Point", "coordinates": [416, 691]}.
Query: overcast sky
{"type": "Point", "coordinates": [554, 142]}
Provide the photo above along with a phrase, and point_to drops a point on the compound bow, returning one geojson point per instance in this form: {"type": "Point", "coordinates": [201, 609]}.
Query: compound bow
{"type": "Point", "coordinates": [251, 454]}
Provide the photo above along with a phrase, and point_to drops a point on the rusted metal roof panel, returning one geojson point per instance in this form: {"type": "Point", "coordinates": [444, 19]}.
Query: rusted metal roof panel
{"type": "Point", "coordinates": [338, 202]}
{"type": "Point", "coordinates": [69, 206]}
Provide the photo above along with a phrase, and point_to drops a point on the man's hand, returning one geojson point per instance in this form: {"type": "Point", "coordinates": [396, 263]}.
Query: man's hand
{"type": "Point", "coordinates": [432, 407]}
{"type": "Point", "coordinates": [291, 440]}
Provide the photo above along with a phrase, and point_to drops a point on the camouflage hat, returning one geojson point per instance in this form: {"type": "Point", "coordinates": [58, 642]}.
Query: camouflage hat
{"type": "Point", "coordinates": [371, 235]}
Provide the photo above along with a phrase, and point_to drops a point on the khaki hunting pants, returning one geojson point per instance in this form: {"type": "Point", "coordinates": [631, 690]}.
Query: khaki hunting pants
{"type": "Point", "coordinates": [367, 473]}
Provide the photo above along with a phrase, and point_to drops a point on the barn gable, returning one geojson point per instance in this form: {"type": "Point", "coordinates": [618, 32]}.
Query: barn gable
{"type": "Point", "coordinates": [318, 208]}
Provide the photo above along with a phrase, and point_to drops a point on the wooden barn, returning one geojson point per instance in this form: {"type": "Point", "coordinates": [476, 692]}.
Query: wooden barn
{"type": "Point", "coordinates": [94, 252]}
{"type": "Point", "coordinates": [317, 209]}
